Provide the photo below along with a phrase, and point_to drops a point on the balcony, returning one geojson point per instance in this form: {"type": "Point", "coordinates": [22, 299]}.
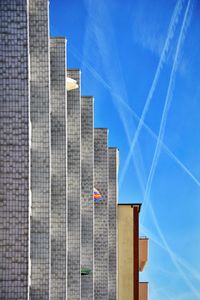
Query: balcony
{"type": "Point", "coordinates": [143, 252]}
{"type": "Point", "coordinates": [143, 291]}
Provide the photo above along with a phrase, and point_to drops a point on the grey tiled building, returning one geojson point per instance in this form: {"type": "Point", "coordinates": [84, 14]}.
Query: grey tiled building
{"type": "Point", "coordinates": [113, 157]}
{"type": "Point", "coordinates": [59, 169]}
{"type": "Point", "coordinates": [87, 202]}
{"type": "Point", "coordinates": [74, 188]}
{"type": "Point", "coordinates": [40, 148]}
{"type": "Point", "coordinates": [101, 214]}
{"type": "Point", "coordinates": [51, 160]}
{"type": "Point", "coordinates": [14, 150]}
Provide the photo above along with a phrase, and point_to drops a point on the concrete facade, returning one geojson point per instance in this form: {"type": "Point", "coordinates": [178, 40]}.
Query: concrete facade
{"type": "Point", "coordinates": [74, 188]}
{"type": "Point", "coordinates": [40, 148]}
{"type": "Point", "coordinates": [101, 214]}
{"type": "Point", "coordinates": [14, 150]}
{"type": "Point", "coordinates": [59, 169]}
{"type": "Point", "coordinates": [87, 202]}
{"type": "Point", "coordinates": [113, 155]}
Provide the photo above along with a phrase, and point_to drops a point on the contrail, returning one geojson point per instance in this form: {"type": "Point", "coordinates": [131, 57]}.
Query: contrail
{"type": "Point", "coordinates": [167, 101]}
{"type": "Point", "coordinates": [176, 260]}
{"type": "Point", "coordinates": [164, 146]}
{"type": "Point", "coordinates": [171, 254]}
{"type": "Point", "coordinates": [108, 87]}
{"type": "Point", "coordinates": [179, 259]}
{"type": "Point", "coordinates": [180, 269]}
{"type": "Point", "coordinates": [145, 126]}
{"type": "Point", "coordinates": [170, 34]}
{"type": "Point", "coordinates": [167, 150]}
{"type": "Point", "coordinates": [105, 53]}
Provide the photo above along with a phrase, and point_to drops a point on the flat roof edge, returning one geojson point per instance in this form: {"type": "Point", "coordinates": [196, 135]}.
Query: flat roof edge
{"type": "Point", "coordinates": [73, 69]}
{"type": "Point", "coordinates": [114, 148]}
{"type": "Point", "coordinates": [134, 204]}
{"type": "Point", "coordinates": [58, 37]}
{"type": "Point", "coordinates": [100, 128]}
{"type": "Point", "coordinates": [87, 97]}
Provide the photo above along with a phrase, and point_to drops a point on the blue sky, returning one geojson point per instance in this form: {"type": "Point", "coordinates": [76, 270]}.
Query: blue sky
{"type": "Point", "coordinates": [141, 62]}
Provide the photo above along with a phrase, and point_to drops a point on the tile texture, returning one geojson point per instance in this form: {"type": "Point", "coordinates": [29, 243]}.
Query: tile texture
{"type": "Point", "coordinates": [87, 202]}
{"type": "Point", "coordinates": [40, 150]}
{"type": "Point", "coordinates": [112, 233]}
{"type": "Point", "coordinates": [101, 215]}
{"type": "Point", "coordinates": [58, 169]}
{"type": "Point", "coordinates": [14, 150]}
{"type": "Point", "coordinates": [74, 188]}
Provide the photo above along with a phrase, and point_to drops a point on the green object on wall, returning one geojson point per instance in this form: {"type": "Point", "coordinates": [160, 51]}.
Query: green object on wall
{"type": "Point", "coordinates": [86, 271]}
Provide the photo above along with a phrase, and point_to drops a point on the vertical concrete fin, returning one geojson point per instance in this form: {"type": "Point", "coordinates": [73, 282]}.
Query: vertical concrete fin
{"type": "Point", "coordinates": [58, 169]}
{"type": "Point", "coordinates": [87, 202]}
{"type": "Point", "coordinates": [14, 150]}
{"type": "Point", "coordinates": [40, 151]}
{"type": "Point", "coordinates": [113, 154]}
{"type": "Point", "coordinates": [74, 188]}
{"type": "Point", "coordinates": [101, 214]}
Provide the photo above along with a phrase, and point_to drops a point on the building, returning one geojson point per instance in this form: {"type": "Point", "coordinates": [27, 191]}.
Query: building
{"type": "Point", "coordinates": [60, 226]}
{"type": "Point", "coordinates": [113, 158]}
{"type": "Point", "coordinates": [87, 201]}
{"type": "Point", "coordinates": [59, 232]}
{"type": "Point", "coordinates": [14, 151]}
{"type": "Point", "coordinates": [101, 175]}
{"type": "Point", "coordinates": [40, 158]}
{"type": "Point", "coordinates": [74, 187]}
{"type": "Point", "coordinates": [132, 254]}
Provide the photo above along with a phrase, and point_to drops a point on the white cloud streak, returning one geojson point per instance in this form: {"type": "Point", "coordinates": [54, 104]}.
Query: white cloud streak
{"type": "Point", "coordinates": [137, 118]}
{"type": "Point", "coordinates": [120, 100]}
{"type": "Point", "coordinates": [113, 71]}
{"type": "Point", "coordinates": [170, 34]}
{"type": "Point", "coordinates": [168, 100]}
{"type": "Point", "coordinates": [167, 150]}
{"type": "Point", "coordinates": [182, 262]}
{"type": "Point", "coordinates": [172, 255]}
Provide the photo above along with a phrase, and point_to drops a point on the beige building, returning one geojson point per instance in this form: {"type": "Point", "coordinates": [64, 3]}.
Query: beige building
{"type": "Point", "coordinates": [132, 254]}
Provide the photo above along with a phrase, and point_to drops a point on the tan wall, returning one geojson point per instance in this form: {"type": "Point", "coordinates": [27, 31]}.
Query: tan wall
{"type": "Point", "coordinates": [143, 291]}
{"type": "Point", "coordinates": [125, 252]}
{"type": "Point", "coordinates": [143, 250]}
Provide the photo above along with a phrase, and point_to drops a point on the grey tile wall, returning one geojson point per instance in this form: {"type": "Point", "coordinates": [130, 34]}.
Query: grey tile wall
{"type": "Point", "coordinates": [101, 214]}
{"type": "Point", "coordinates": [87, 202]}
{"type": "Point", "coordinates": [112, 209]}
{"type": "Point", "coordinates": [74, 188]}
{"type": "Point", "coordinates": [25, 124]}
{"type": "Point", "coordinates": [14, 150]}
{"type": "Point", "coordinates": [58, 169]}
{"type": "Point", "coordinates": [40, 151]}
